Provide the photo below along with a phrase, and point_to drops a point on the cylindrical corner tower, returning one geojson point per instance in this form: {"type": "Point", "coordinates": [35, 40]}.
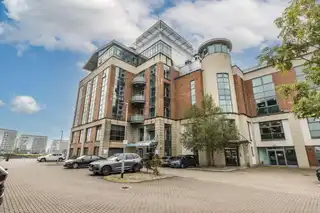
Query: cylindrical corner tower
{"type": "Point", "coordinates": [217, 73]}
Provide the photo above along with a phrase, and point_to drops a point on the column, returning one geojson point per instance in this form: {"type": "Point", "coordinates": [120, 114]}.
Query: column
{"type": "Point", "coordinates": [82, 138]}
{"type": "Point", "coordinates": [144, 133]}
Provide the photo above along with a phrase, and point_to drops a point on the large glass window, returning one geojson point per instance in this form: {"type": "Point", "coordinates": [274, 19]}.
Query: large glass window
{"type": "Point", "coordinates": [120, 53]}
{"type": "Point", "coordinates": [265, 95]}
{"type": "Point", "coordinates": [167, 140]}
{"type": "Point", "coordinates": [159, 47]}
{"type": "Point", "coordinates": [271, 130]}
{"type": "Point", "coordinates": [93, 99]}
{"type": "Point", "coordinates": [117, 133]}
{"type": "Point", "coordinates": [314, 127]}
{"type": "Point", "coordinates": [166, 70]}
{"type": "Point", "coordinates": [193, 92]}
{"type": "Point", "coordinates": [225, 101]}
{"type": "Point", "coordinates": [152, 102]}
{"type": "Point", "coordinates": [88, 135]}
{"type": "Point", "coordinates": [301, 76]}
{"type": "Point", "coordinates": [104, 89]}
{"type": "Point", "coordinates": [77, 114]}
{"type": "Point", "coordinates": [166, 99]}
{"type": "Point", "coordinates": [214, 48]}
{"type": "Point", "coordinates": [98, 133]}
{"type": "Point", "coordinates": [118, 94]}
{"type": "Point", "coordinates": [86, 103]}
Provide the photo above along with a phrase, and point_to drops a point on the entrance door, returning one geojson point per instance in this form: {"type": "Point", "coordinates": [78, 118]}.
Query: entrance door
{"type": "Point", "coordinates": [231, 156]}
{"type": "Point", "coordinates": [272, 157]}
{"type": "Point", "coordinates": [276, 157]}
{"type": "Point", "coordinates": [280, 157]}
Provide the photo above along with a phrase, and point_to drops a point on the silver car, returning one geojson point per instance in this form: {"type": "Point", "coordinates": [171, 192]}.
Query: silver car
{"type": "Point", "coordinates": [132, 162]}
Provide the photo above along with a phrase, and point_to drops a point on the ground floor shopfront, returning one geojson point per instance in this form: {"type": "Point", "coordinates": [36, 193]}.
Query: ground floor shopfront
{"type": "Point", "coordinates": [278, 156]}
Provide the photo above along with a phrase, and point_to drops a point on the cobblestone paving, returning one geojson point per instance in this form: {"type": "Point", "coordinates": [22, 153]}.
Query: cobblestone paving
{"type": "Point", "coordinates": [33, 187]}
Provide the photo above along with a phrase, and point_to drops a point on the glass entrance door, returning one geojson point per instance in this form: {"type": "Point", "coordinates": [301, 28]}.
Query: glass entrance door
{"type": "Point", "coordinates": [272, 157]}
{"type": "Point", "coordinates": [277, 157]}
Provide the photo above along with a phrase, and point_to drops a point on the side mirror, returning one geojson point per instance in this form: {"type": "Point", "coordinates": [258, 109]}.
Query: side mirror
{"type": "Point", "coordinates": [117, 159]}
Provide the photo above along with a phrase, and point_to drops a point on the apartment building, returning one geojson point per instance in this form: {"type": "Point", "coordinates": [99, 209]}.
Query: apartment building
{"type": "Point", "coordinates": [59, 146]}
{"type": "Point", "coordinates": [147, 88]}
{"type": "Point", "coordinates": [7, 140]}
{"type": "Point", "coordinates": [31, 144]}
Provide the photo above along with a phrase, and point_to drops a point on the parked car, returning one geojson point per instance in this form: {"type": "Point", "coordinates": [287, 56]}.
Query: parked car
{"type": "Point", "coordinates": [82, 161]}
{"type": "Point", "coordinates": [51, 157]}
{"type": "Point", "coordinates": [318, 173]}
{"type": "Point", "coordinates": [3, 177]}
{"type": "Point", "coordinates": [183, 161]}
{"type": "Point", "coordinates": [132, 162]}
{"type": "Point", "coordinates": [165, 161]}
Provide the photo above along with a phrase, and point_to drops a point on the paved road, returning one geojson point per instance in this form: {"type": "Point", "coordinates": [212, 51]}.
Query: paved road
{"type": "Point", "coordinates": [46, 188]}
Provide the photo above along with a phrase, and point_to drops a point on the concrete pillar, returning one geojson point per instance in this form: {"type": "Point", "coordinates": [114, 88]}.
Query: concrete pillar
{"type": "Point", "coordinates": [82, 138]}
{"type": "Point", "coordinates": [104, 143]}
{"type": "Point", "coordinates": [298, 142]}
{"type": "Point", "coordinates": [69, 144]}
{"type": "Point", "coordinates": [144, 133]}
{"type": "Point", "coordinates": [159, 133]}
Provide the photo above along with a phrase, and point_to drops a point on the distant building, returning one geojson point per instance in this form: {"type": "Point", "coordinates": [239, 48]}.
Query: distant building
{"type": "Point", "coordinates": [7, 140]}
{"type": "Point", "coordinates": [31, 144]}
{"type": "Point", "coordinates": [59, 146]}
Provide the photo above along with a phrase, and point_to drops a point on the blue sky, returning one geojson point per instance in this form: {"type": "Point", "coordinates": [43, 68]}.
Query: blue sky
{"type": "Point", "coordinates": [42, 46]}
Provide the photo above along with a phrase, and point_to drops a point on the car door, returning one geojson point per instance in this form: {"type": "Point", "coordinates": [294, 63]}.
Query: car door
{"type": "Point", "coordinates": [50, 157]}
{"type": "Point", "coordinates": [85, 161]}
{"type": "Point", "coordinates": [129, 161]}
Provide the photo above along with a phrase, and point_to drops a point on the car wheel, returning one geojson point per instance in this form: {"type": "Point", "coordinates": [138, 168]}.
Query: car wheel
{"type": "Point", "coordinates": [75, 166]}
{"type": "Point", "coordinates": [43, 160]}
{"type": "Point", "coordinates": [182, 165]}
{"type": "Point", "coordinates": [136, 168]}
{"type": "Point", "coordinates": [106, 170]}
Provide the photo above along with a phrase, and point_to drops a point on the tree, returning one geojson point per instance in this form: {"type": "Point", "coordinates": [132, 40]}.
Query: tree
{"type": "Point", "coordinates": [300, 39]}
{"type": "Point", "coordinates": [208, 129]}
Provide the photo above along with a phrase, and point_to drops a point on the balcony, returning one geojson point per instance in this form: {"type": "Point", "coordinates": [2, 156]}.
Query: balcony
{"type": "Point", "coordinates": [138, 99]}
{"type": "Point", "coordinates": [138, 81]}
{"type": "Point", "coordinates": [137, 119]}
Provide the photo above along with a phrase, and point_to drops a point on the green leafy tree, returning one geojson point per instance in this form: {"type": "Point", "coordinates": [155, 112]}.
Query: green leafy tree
{"type": "Point", "coordinates": [208, 129]}
{"type": "Point", "coordinates": [300, 39]}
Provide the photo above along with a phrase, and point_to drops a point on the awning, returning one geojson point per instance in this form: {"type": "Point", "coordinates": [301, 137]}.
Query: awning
{"type": "Point", "coordinates": [142, 144]}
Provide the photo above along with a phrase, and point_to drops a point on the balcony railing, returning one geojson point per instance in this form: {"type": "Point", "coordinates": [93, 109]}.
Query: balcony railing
{"type": "Point", "coordinates": [137, 119]}
{"type": "Point", "coordinates": [138, 99]}
{"type": "Point", "coordinates": [268, 110]}
{"type": "Point", "coordinates": [138, 80]}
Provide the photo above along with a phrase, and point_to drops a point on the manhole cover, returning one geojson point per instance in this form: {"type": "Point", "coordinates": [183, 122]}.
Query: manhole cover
{"type": "Point", "coordinates": [125, 187]}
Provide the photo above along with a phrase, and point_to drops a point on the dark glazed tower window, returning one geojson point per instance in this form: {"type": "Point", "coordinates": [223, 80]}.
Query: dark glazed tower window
{"type": "Point", "coordinates": [117, 133]}
{"type": "Point", "coordinates": [166, 100]}
{"type": "Point", "coordinates": [271, 130]}
{"type": "Point", "coordinates": [166, 70]}
{"type": "Point", "coordinates": [118, 94]}
{"type": "Point", "coordinates": [152, 103]}
{"type": "Point", "coordinates": [167, 140]}
{"type": "Point", "coordinates": [225, 101]}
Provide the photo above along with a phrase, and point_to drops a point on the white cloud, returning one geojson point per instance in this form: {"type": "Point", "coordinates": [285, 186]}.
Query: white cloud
{"type": "Point", "coordinates": [25, 104]}
{"type": "Point", "coordinates": [1, 103]}
{"type": "Point", "coordinates": [78, 25]}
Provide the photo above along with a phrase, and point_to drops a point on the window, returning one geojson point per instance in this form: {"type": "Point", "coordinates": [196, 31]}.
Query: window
{"type": "Point", "coordinates": [77, 115]}
{"type": "Point", "coordinates": [104, 89]}
{"type": "Point", "coordinates": [81, 136]}
{"type": "Point", "coordinates": [88, 135]}
{"type": "Point", "coordinates": [167, 140]}
{"type": "Point", "coordinates": [152, 102]}
{"type": "Point", "coordinates": [93, 99]}
{"type": "Point", "coordinates": [271, 130]}
{"type": "Point", "coordinates": [166, 100]}
{"type": "Point", "coordinates": [214, 48]}
{"type": "Point", "coordinates": [193, 92]}
{"type": "Point", "coordinates": [166, 69]}
{"type": "Point", "coordinates": [117, 133]}
{"type": "Point", "coordinates": [141, 134]}
{"type": "Point", "coordinates": [98, 133]}
{"type": "Point", "coordinates": [159, 47]}
{"type": "Point", "coordinates": [225, 101]}
{"type": "Point", "coordinates": [118, 94]}
{"type": "Point", "coordinates": [86, 103]}
{"type": "Point", "coordinates": [85, 151]}
{"type": "Point", "coordinates": [314, 127]}
{"type": "Point", "coordinates": [249, 130]}
{"type": "Point", "coordinates": [265, 95]}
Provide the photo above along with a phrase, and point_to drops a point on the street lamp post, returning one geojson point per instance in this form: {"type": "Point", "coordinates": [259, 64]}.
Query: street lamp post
{"type": "Point", "coordinates": [125, 141]}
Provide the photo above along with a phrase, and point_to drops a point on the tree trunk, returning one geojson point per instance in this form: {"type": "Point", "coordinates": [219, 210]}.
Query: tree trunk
{"type": "Point", "coordinates": [212, 157]}
{"type": "Point", "coordinates": [209, 162]}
